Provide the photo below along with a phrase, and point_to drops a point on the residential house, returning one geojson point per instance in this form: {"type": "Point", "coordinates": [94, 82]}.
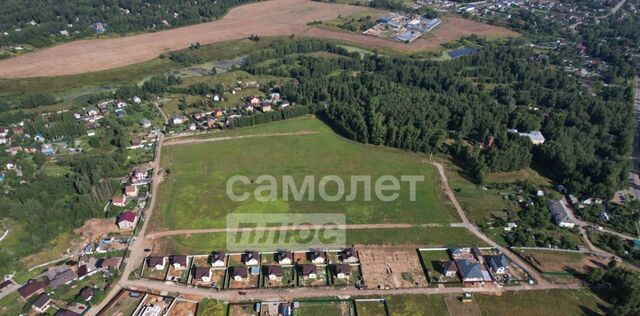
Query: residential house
{"type": "Point", "coordinates": [39, 138]}
{"type": "Point", "coordinates": [91, 132]}
{"type": "Point", "coordinates": [265, 107]}
{"type": "Point", "coordinates": [42, 303]}
{"type": "Point", "coordinates": [109, 263]}
{"type": "Point", "coordinates": [284, 104]}
{"type": "Point", "coordinates": [343, 270]}
{"type": "Point", "coordinates": [131, 191]}
{"type": "Point", "coordinates": [316, 256]}
{"type": "Point", "coordinates": [448, 268]}
{"type": "Point", "coordinates": [274, 272]}
{"type": "Point", "coordinates": [14, 150]}
{"type": "Point", "coordinates": [120, 104]}
{"type": "Point", "coordinates": [217, 113]}
{"type": "Point", "coordinates": [11, 165]}
{"type": "Point", "coordinates": [177, 119]}
{"type": "Point", "coordinates": [284, 257]}
{"type": "Point", "coordinates": [560, 214]}
{"type": "Point", "coordinates": [127, 220]}
{"type": "Point", "coordinates": [275, 96]}
{"type": "Point", "coordinates": [470, 271]}
{"type": "Point", "coordinates": [86, 294]}
{"type": "Point", "coordinates": [216, 98]}
{"type": "Point", "coordinates": [3, 140]}
{"type": "Point", "coordinates": [535, 137]}
{"type": "Point", "coordinates": [248, 107]}
{"type": "Point", "coordinates": [137, 100]}
{"type": "Point", "coordinates": [238, 273]}
{"type": "Point", "coordinates": [30, 288]}
{"type": "Point", "coordinates": [349, 255]}
{"type": "Point", "coordinates": [308, 270]}
{"type": "Point", "coordinates": [217, 259]}
{"type": "Point", "coordinates": [251, 258]}
{"type": "Point", "coordinates": [91, 111]}
{"type": "Point", "coordinates": [17, 131]}
{"type": "Point", "coordinates": [86, 270]}
{"type": "Point", "coordinates": [4, 132]}
{"type": "Point", "coordinates": [139, 173]}
{"type": "Point", "coordinates": [498, 264]}
{"type": "Point", "coordinates": [254, 100]}
{"type": "Point", "coordinates": [202, 274]}
{"type": "Point", "coordinates": [66, 312]}
{"type": "Point", "coordinates": [120, 201]}
{"type": "Point", "coordinates": [156, 263]}
{"type": "Point", "coordinates": [179, 262]}
{"type": "Point", "coordinates": [63, 278]}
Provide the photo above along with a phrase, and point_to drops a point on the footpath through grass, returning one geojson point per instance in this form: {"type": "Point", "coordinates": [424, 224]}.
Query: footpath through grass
{"type": "Point", "coordinates": [193, 195]}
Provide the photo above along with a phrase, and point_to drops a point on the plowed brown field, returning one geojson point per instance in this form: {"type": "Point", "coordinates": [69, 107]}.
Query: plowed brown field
{"type": "Point", "coordinates": [268, 18]}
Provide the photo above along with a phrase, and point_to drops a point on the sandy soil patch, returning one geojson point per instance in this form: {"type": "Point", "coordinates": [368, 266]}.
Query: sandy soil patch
{"type": "Point", "coordinates": [183, 308]}
{"type": "Point", "coordinates": [96, 228]}
{"type": "Point", "coordinates": [268, 18]}
{"type": "Point", "coordinates": [391, 266]}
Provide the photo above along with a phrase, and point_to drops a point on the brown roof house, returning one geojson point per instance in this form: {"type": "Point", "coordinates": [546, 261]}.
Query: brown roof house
{"type": "Point", "coordinates": [179, 262]}
{"type": "Point", "coordinates": [238, 273]}
{"type": "Point", "coordinates": [308, 270]}
{"type": "Point", "coordinates": [343, 270]}
{"type": "Point", "coordinates": [119, 201]}
{"type": "Point", "coordinates": [30, 288]}
{"type": "Point", "coordinates": [316, 255]}
{"type": "Point", "coordinates": [131, 191]}
{"type": "Point", "coordinates": [156, 263]}
{"type": "Point", "coordinates": [217, 259]}
{"type": "Point", "coordinates": [284, 257]}
{"type": "Point", "coordinates": [251, 258]}
{"type": "Point", "coordinates": [348, 255]}
{"type": "Point", "coordinates": [202, 274]}
{"type": "Point", "coordinates": [274, 272]}
{"type": "Point", "coordinates": [86, 294]}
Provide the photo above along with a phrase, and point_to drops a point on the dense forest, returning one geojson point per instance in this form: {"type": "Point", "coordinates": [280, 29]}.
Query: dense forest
{"type": "Point", "coordinates": [46, 206]}
{"type": "Point", "coordinates": [40, 22]}
{"type": "Point", "coordinates": [417, 105]}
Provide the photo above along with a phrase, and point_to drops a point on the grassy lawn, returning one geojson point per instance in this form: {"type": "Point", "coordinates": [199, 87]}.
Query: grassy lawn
{"type": "Point", "coordinates": [211, 307]}
{"type": "Point", "coordinates": [11, 304]}
{"type": "Point", "coordinates": [414, 305]}
{"type": "Point", "coordinates": [323, 308]}
{"type": "Point", "coordinates": [370, 308]}
{"type": "Point", "coordinates": [194, 193]}
{"type": "Point", "coordinates": [416, 236]}
{"type": "Point", "coordinates": [553, 302]}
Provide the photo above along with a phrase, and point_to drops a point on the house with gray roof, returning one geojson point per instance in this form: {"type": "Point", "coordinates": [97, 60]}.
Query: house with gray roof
{"type": "Point", "coordinates": [560, 214]}
{"type": "Point", "coordinates": [499, 263]}
{"type": "Point", "coordinates": [471, 271]}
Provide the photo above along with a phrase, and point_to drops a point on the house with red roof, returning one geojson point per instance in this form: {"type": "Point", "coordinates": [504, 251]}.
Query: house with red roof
{"type": "Point", "coordinates": [127, 220]}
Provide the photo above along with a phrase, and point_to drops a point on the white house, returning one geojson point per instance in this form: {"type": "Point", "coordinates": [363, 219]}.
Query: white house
{"type": "Point", "coordinates": [127, 220]}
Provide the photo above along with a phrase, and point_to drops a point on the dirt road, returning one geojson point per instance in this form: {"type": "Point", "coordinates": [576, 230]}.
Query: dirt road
{"type": "Point", "coordinates": [178, 141]}
{"type": "Point", "coordinates": [288, 228]}
{"type": "Point", "coordinates": [266, 18]}
{"type": "Point", "coordinates": [300, 292]}
{"type": "Point", "coordinates": [533, 273]}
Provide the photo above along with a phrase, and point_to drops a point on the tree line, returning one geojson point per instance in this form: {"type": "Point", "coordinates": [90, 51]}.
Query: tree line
{"type": "Point", "coordinates": [417, 105]}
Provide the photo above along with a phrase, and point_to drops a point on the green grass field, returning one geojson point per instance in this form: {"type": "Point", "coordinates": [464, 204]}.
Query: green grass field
{"type": "Point", "coordinates": [415, 236]}
{"type": "Point", "coordinates": [193, 195]}
{"type": "Point", "coordinates": [209, 307]}
{"type": "Point", "coordinates": [534, 303]}
{"type": "Point", "coordinates": [417, 305]}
